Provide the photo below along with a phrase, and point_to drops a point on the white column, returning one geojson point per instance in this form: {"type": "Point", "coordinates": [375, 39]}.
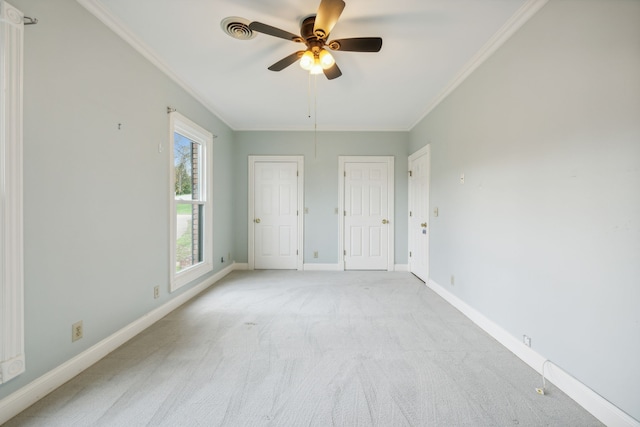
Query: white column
{"type": "Point", "coordinates": [12, 362]}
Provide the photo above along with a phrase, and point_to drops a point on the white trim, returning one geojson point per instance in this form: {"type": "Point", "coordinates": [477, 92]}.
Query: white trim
{"type": "Point", "coordinates": [26, 396]}
{"type": "Point", "coordinates": [514, 23]}
{"type": "Point", "coordinates": [424, 151]}
{"type": "Point", "coordinates": [97, 9]}
{"type": "Point", "coordinates": [250, 205]}
{"type": "Point", "coordinates": [598, 406]}
{"type": "Point", "coordinates": [250, 210]}
{"type": "Point", "coordinates": [522, 15]}
{"type": "Point", "coordinates": [12, 358]}
{"type": "Point", "coordinates": [322, 267]}
{"type": "Point", "coordinates": [241, 266]}
{"type": "Point", "coordinates": [390, 160]}
{"type": "Point", "coordinates": [189, 129]}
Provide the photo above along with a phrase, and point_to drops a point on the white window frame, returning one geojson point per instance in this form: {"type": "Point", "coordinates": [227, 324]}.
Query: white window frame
{"type": "Point", "coordinates": [12, 358]}
{"type": "Point", "coordinates": [187, 128]}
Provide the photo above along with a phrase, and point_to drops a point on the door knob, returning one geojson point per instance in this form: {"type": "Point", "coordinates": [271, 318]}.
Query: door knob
{"type": "Point", "coordinates": [384, 221]}
{"type": "Point", "coordinates": [257, 220]}
{"type": "Point", "coordinates": [423, 225]}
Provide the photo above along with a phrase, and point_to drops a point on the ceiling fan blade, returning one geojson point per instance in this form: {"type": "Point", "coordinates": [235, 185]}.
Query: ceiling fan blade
{"type": "Point", "coordinates": [332, 72]}
{"type": "Point", "coordinates": [358, 44]}
{"type": "Point", "coordinates": [285, 62]}
{"type": "Point", "coordinates": [328, 13]}
{"type": "Point", "coordinates": [273, 31]}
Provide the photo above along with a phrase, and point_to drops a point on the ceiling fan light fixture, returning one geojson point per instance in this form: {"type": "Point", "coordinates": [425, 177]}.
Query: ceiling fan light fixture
{"type": "Point", "coordinates": [316, 68]}
{"type": "Point", "coordinates": [326, 59]}
{"type": "Point", "coordinates": [314, 32]}
{"type": "Point", "coordinates": [307, 60]}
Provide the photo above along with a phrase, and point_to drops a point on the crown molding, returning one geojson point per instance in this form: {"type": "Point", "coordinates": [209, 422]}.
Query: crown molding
{"type": "Point", "coordinates": [522, 15]}
{"type": "Point", "coordinates": [96, 8]}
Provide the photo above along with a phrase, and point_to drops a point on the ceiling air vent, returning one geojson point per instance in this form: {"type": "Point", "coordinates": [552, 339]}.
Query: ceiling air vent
{"type": "Point", "coordinates": [237, 27]}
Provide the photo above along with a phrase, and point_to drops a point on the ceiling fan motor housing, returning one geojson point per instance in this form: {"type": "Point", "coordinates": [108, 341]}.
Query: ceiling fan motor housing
{"type": "Point", "coordinates": [306, 31]}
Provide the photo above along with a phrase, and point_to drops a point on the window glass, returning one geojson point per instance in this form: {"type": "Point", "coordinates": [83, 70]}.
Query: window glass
{"type": "Point", "coordinates": [189, 219]}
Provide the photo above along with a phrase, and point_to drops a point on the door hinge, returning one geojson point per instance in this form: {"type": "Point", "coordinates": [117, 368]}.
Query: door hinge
{"type": "Point", "coordinates": [410, 173]}
{"type": "Point", "coordinates": [296, 252]}
{"type": "Point", "coordinates": [409, 254]}
{"type": "Point", "coordinates": [297, 173]}
{"type": "Point", "coordinates": [410, 213]}
{"type": "Point", "coordinates": [345, 174]}
{"type": "Point", "coordinates": [345, 213]}
{"type": "Point", "coordinates": [345, 252]}
{"type": "Point", "coordinates": [297, 213]}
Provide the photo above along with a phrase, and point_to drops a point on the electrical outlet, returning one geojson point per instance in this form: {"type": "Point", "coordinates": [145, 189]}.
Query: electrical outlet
{"type": "Point", "coordinates": [156, 292]}
{"type": "Point", "coordinates": [453, 280]}
{"type": "Point", "coordinates": [76, 331]}
{"type": "Point", "coordinates": [526, 340]}
{"type": "Point", "coordinates": [315, 254]}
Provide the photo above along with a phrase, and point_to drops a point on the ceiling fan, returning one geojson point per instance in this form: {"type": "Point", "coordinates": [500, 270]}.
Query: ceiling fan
{"type": "Point", "coordinates": [314, 33]}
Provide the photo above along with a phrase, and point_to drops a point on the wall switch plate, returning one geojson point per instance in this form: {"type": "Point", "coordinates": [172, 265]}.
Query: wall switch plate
{"type": "Point", "coordinates": [306, 210]}
{"type": "Point", "coordinates": [315, 254]}
{"type": "Point", "coordinates": [453, 279]}
{"type": "Point", "coordinates": [156, 292]}
{"type": "Point", "coordinates": [76, 331]}
{"type": "Point", "coordinates": [435, 212]}
{"type": "Point", "coordinates": [461, 178]}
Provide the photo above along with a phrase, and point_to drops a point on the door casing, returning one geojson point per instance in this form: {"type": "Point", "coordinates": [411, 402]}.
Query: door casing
{"type": "Point", "coordinates": [421, 271]}
{"type": "Point", "coordinates": [300, 205]}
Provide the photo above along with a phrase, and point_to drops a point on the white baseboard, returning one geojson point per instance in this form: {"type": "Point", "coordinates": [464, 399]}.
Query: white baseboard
{"type": "Point", "coordinates": [26, 396]}
{"type": "Point", "coordinates": [339, 267]}
{"type": "Point", "coordinates": [322, 267]}
{"type": "Point", "coordinates": [18, 401]}
{"type": "Point", "coordinates": [240, 265]}
{"type": "Point", "coordinates": [599, 407]}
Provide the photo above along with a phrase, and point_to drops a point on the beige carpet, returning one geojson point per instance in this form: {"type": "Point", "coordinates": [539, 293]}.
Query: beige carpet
{"type": "Point", "coordinates": [295, 348]}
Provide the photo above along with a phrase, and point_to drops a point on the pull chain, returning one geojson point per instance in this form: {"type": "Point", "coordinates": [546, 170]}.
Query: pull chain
{"type": "Point", "coordinates": [315, 111]}
{"type": "Point", "coordinates": [309, 97]}
{"type": "Point", "coordinates": [315, 118]}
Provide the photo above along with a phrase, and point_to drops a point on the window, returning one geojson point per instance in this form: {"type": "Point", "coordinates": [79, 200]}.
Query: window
{"type": "Point", "coordinates": [191, 219]}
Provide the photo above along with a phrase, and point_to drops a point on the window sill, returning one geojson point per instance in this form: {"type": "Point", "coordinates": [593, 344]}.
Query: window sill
{"type": "Point", "coordinates": [189, 275]}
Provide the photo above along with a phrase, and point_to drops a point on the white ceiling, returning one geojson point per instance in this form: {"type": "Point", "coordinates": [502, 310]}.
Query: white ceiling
{"type": "Point", "coordinates": [428, 47]}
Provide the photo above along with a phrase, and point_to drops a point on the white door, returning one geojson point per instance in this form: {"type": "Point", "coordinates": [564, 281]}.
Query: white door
{"type": "Point", "coordinates": [275, 216]}
{"type": "Point", "coordinates": [367, 207]}
{"type": "Point", "coordinates": [419, 213]}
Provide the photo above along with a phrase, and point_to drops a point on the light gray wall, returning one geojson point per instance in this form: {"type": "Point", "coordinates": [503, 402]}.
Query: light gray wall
{"type": "Point", "coordinates": [321, 182]}
{"type": "Point", "coordinates": [96, 199]}
{"type": "Point", "coordinates": [544, 236]}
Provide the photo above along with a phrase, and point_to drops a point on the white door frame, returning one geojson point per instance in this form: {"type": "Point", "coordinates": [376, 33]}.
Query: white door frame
{"type": "Point", "coordinates": [426, 150]}
{"type": "Point", "coordinates": [300, 207]}
{"type": "Point", "coordinates": [390, 202]}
